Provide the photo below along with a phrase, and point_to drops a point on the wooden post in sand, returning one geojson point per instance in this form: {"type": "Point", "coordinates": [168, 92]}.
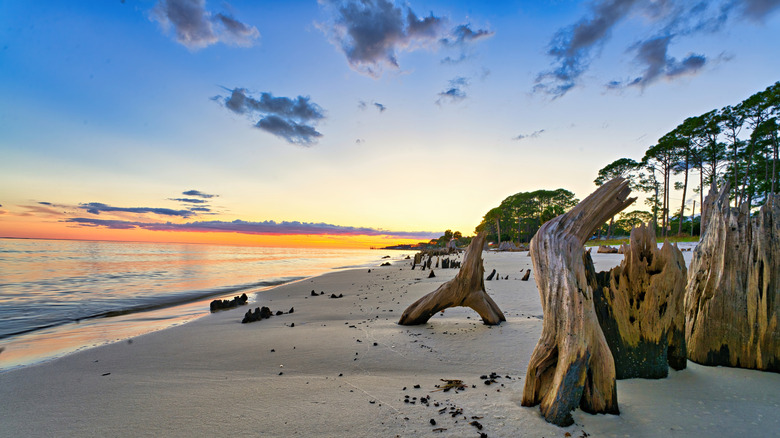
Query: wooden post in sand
{"type": "Point", "coordinates": [640, 307]}
{"type": "Point", "coordinates": [572, 365]}
{"type": "Point", "coordinates": [732, 302]}
{"type": "Point", "coordinates": [466, 289]}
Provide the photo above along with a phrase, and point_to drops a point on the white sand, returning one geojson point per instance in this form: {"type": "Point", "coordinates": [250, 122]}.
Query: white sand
{"type": "Point", "coordinates": [217, 377]}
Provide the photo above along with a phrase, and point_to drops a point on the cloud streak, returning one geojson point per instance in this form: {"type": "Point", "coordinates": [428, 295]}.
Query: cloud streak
{"type": "Point", "coordinates": [244, 227]}
{"type": "Point", "coordinates": [534, 134]}
{"type": "Point", "coordinates": [758, 10]}
{"type": "Point", "coordinates": [462, 34]}
{"type": "Point", "coordinates": [575, 47]}
{"type": "Point", "coordinates": [456, 91]}
{"type": "Point", "coordinates": [199, 194]}
{"type": "Point", "coordinates": [293, 120]}
{"type": "Point", "coordinates": [188, 200]}
{"type": "Point", "coordinates": [98, 207]}
{"type": "Point", "coordinates": [195, 27]}
{"type": "Point", "coordinates": [658, 64]}
{"type": "Point", "coordinates": [371, 33]}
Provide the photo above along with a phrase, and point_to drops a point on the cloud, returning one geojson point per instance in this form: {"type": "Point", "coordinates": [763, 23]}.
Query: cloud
{"type": "Point", "coordinates": [758, 10]}
{"type": "Point", "coordinates": [452, 61]}
{"type": "Point", "coordinates": [196, 28]}
{"type": "Point", "coordinates": [534, 134]}
{"type": "Point", "coordinates": [290, 119]}
{"type": "Point", "coordinates": [244, 227]}
{"type": "Point", "coordinates": [652, 54]}
{"type": "Point", "coordinates": [362, 105]}
{"type": "Point", "coordinates": [371, 33]}
{"type": "Point", "coordinates": [455, 92]}
{"type": "Point", "coordinates": [296, 133]}
{"type": "Point", "coordinates": [571, 46]}
{"type": "Point", "coordinates": [462, 34]}
{"type": "Point", "coordinates": [198, 194]}
{"type": "Point", "coordinates": [44, 209]}
{"type": "Point", "coordinates": [575, 47]}
{"type": "Point", "coordinates": [188, 200]}
{"type": "Point", "coordinates": [97, 208]}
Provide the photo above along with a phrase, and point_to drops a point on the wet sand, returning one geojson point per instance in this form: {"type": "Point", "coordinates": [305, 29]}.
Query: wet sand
{"type": "Point", "coordinates": [343, 367]}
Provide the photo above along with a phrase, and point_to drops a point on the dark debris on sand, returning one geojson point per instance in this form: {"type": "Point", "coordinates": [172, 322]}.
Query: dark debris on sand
{"type": "Point", "coordinates": [228, 304]}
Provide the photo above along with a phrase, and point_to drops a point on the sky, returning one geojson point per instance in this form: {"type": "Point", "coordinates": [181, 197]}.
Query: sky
{"type": "Point", "coordinates": [343, 123]}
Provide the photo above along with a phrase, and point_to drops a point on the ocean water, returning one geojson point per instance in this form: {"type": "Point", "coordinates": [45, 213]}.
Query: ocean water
{"type": "Point", "coordinates": [60, 296]}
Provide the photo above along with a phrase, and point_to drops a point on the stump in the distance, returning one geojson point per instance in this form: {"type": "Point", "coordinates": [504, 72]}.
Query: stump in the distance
{"type": "Point", "coordinates": [466, 289]}
{"type": "Point", "coordinates": [572, 365]}
{"type": "Point", "coordinates": [732, 302]}
{"type": "Point", "coordinates": [640, 308]}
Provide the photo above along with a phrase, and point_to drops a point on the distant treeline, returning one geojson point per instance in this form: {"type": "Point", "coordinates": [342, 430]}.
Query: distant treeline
{"type": "Point", "coordinates": [738, 144]}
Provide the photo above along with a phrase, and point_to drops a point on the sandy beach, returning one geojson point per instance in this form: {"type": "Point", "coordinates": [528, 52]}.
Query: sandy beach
{"type": "Point", "coordinates": [343, 367]}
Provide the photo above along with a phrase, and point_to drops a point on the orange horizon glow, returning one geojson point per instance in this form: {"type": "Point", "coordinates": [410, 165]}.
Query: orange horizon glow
{"type": "Point", "coordinates": [58, 231]}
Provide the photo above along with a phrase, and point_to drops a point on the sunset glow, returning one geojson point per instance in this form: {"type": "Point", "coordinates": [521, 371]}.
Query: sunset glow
{"type": "Point", "coordinates": [283, 124]}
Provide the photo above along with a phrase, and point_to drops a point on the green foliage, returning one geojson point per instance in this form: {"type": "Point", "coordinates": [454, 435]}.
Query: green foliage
{"type": "Point", "coordinates": [448, 235]}
{"type": "Point", "coordinates": [622, 167]}
{"type": "Point", "coordinates": [736, 143]}
{"type": "Point", "coordinates": [519, 216]}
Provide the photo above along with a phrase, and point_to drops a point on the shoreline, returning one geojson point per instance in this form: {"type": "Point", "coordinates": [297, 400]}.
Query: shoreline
{"type": "Point", "coordinates": [44, 344]}
{"type": "Point", "coordinates": [343, 367]}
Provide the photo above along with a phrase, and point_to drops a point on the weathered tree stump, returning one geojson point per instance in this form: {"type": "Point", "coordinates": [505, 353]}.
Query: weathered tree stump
{"type": "Point", "coordinates": [640, 307]}
{"type": "Point", "coordinates": [732, 302]}
{"type": "Point", "coordinates": [572, 365]}
{"type": "Point", "coordinates": [526, 275]}
{"type": "Point", "coordinates": [466, 289]}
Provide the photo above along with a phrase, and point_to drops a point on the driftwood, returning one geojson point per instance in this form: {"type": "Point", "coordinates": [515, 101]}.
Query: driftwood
{"type": "Point", "coordinates": [490, 277]}
{"type": "Point", "coordinates": [732, 302]}
{"type": "Point", "coordinates": [526, 275]}
{"type": "Point", "coordinates": [640, 307]}
{"type": "Point", "coordinates": [466, 289]}
{"type": "Point", "coordinates": [606, 250]}
{"type": "Point", "coordinates": [572, 365]}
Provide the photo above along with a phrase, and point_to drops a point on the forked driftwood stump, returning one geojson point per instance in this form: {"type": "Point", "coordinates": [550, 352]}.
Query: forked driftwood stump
{"type": "Point", "coordinates": [640, 307]}
{"type": "Point", "coordinates": [572, 365]}
{"type": "Point", "coordinates": [466, 289]}
{"type": "Point", "coordinates": [732, 302]}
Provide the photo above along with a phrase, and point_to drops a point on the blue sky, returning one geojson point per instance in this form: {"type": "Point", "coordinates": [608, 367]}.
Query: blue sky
{"type": "Point", "coordinates": [402, 117]}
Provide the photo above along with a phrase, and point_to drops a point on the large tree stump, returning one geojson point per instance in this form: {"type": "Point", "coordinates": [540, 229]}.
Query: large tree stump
{"type": "Point", "coordinates": [732, 302]}
{"type": "Point", "coordinates": [640, 307]}
{"type": "Point", "coordinates": [466, 289]}
{"type": "Point", "coordinates": [572, 365]}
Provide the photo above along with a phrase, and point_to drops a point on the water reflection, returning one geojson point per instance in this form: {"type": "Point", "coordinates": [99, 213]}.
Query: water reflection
{"type": "Point", "coordinates": [49, 285]}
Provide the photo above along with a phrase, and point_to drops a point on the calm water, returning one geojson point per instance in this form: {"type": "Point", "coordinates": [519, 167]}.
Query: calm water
{"type": "Point", "coordinates": [57, 297]}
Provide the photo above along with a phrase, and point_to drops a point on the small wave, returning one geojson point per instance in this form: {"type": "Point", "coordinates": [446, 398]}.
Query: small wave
{"type": "Point", "coordinates": [161, 303]}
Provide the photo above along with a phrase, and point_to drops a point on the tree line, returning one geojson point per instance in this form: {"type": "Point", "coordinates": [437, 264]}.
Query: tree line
{"type": "Point", "coordinates": [737, 143]}
{"type": "Point", "coordinates": [519, 216]}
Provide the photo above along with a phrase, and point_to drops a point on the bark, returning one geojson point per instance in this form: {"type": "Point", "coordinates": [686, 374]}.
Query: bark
{"type": "Point", "coordinates": [732, 301]}
{"type": "Point", "coordinates": [685, 190]}
{"type": "Point", "coordinates": [640, 307]}
{"type": "Point", "coordinates": [466, 289]}
{"type": "Point", "coordinates": [572, 365]}
{"type": "Point", "coordinates": [498, 232]}
{"type": "Point", "coordinates": [706, 208]}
